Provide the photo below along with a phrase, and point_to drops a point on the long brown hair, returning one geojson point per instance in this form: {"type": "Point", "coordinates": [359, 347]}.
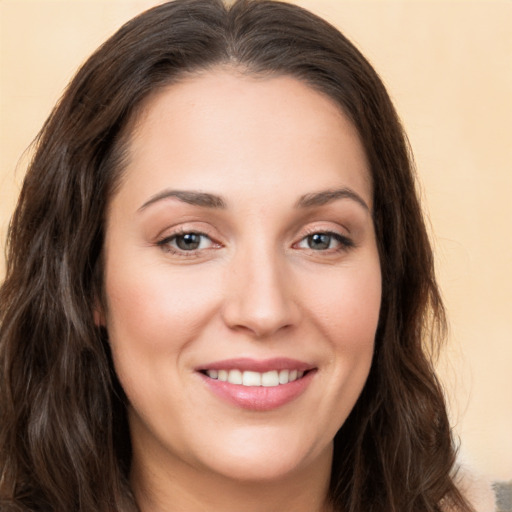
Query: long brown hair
{"type": "Point", "coordinates": [63, 434]}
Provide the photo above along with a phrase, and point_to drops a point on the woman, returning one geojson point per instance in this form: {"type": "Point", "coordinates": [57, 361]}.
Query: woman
{"type": "Point", "coordinates": [219, 285]}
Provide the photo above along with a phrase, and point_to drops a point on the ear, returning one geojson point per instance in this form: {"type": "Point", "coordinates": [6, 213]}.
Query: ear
{"type": "Point", "coordinates": [99, 316]}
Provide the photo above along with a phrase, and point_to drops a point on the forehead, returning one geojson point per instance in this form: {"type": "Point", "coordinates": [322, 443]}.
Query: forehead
{"type": "Point", "coordinates": [227, 128]}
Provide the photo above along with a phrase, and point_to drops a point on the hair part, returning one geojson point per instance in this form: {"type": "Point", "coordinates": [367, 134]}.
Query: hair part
{"type": "Point", "coordinates": [64, 437]}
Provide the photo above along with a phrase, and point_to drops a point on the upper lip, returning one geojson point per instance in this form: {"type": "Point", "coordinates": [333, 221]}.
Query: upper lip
{"type": "Point", "coordinates": [257, 365]}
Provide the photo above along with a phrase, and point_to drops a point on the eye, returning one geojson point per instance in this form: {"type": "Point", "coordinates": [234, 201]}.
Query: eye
{"type": "Point", "coordinates": [186, 242]}
{"type": "Point", "coordinates": [324, 241]}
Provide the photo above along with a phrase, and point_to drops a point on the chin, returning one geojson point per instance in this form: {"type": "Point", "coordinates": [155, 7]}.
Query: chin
{"type": "Point", "coordinates": [247, 460]}
{"type": "Point", "coordinates": [262, 470]}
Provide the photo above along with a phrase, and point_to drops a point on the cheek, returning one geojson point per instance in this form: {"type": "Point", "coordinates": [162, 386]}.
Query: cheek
{"type": "Point", "coordinates": [347, 305]}
{"type": "Point", "coordinates": [154, 311]}
{"type": "Point", "coordinates": [347, 313]}
{"type": "Point", "coordinates": [344, 307]}
{"type": "Point", "coordinates": [153, 316]}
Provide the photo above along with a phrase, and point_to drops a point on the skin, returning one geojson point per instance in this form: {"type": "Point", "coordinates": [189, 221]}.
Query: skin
{"type": "Point", "coordinates": [255, 287]}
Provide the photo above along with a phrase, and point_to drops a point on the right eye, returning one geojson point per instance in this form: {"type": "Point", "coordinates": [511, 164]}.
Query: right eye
{"type": "Point", "coordinates": [186, 242]}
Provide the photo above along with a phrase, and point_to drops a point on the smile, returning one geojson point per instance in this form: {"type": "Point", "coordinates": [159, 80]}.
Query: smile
{"type": "Point", "coordinates": [249, 378]}
{"type": "Point", "coordinates": [258, 385]}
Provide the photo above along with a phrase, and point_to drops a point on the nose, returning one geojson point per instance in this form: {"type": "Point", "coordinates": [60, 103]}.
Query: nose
{"type": "Point", "coordinates": [260, 298]}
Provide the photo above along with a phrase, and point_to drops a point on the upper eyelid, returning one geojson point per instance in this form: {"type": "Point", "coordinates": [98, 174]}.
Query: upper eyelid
{"type": "Point", "coordinates": [184, 228]}
{"type": "Point", "coordinates": [311, 230]}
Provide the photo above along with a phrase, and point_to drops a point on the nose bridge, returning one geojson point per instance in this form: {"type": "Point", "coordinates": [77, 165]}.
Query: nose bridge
{"type": "Point", "coordinates": [259, 294]}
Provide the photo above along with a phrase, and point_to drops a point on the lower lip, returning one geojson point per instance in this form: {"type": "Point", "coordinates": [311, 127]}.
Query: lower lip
{"type": "Point", "coordinates": [259, 398]}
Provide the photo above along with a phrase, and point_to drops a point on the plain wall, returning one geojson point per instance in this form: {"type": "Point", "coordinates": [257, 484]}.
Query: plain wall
{"type": "Point", "coordinates": [448, 67]}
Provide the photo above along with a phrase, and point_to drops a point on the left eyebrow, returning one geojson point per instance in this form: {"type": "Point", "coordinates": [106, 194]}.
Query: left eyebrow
{"type": "Point", "coordinates": [328, 196]}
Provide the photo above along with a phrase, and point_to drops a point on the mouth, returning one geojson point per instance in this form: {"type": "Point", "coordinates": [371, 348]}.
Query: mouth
{"type": "Point", "coordinates": [258, 385]}
{"type": "Point", "coordinates": [249, 378]}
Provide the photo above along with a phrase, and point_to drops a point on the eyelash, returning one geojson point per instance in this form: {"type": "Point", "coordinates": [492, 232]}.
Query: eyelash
{"type": "Point", "coordinates": [345, 243]}
{"type": "Point", "coordinates": [165, 243]}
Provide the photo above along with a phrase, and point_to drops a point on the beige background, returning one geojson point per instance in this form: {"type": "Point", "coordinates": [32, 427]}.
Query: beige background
{"type": "Point", "coordinates": [448, 67]}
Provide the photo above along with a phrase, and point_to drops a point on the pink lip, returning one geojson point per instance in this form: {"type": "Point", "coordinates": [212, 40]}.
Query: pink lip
{"type": "Point", "coordinates": [258, 398]}
{"type": "Point", "coordinates": [265, 365]}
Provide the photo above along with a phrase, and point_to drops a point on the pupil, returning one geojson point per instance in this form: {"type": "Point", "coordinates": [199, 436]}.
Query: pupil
{"type": "Point", "coordinates": [319, 241]}
{"type": "Point", "coordinates": [188, 242]}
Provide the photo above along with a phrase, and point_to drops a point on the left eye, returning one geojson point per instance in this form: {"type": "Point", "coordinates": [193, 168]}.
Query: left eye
{"type": "Point", "coordinates": [322, 241]}
{"type": "Point", "coordinates": [187, 241]}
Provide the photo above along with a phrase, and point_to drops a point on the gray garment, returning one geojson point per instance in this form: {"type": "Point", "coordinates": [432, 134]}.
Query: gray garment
{"type": "Point", "coordinates": [503, 492]}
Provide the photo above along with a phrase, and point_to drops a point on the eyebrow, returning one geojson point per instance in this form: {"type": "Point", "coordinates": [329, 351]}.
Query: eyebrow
{"type": "Point", "coordinates": [195, 198]}
{"type": "Point", "coordinates": [328, 196]}
{"type": "Point", "coordinates": [208, 200]}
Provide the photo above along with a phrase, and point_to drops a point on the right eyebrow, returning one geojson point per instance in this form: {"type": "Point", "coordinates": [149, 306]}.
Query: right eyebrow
{"type": "Point", "coordinates": [193, 197]}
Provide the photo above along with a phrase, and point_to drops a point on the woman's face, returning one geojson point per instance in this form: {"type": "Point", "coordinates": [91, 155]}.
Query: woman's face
{"type": "Point", "coordinates": [242, 277]}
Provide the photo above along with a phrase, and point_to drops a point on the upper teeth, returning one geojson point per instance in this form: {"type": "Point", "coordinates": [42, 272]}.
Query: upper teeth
{"type": "Point", "coordinates": [267, 379]}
